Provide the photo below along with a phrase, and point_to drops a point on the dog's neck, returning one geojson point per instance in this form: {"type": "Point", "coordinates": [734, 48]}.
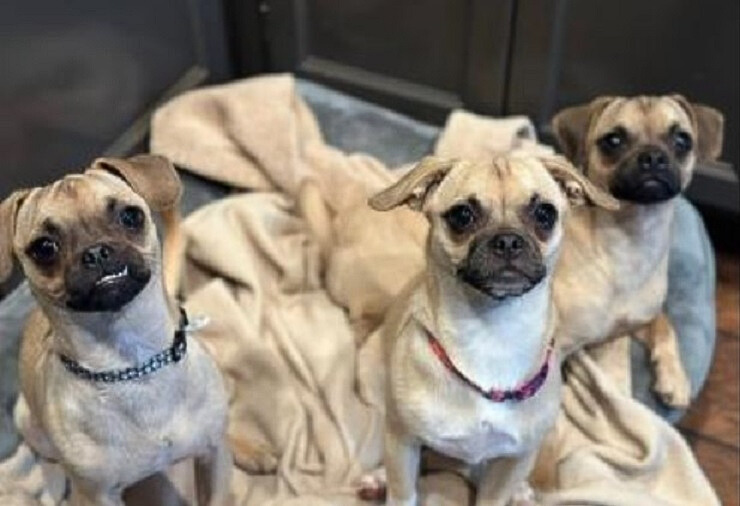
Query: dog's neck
{"type": "Point", "coordinates": [498, 343]}
{"type": "Point", "coordinates": [115, 340]}
{"type": "Point", "coordinates": [637, 221]}
{"type": "Point", "coordinates": [636, 237]}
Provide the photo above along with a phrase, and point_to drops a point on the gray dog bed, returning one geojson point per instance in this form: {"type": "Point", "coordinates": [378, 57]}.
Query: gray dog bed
{"type": "Point", "coordinates": [354, 125]}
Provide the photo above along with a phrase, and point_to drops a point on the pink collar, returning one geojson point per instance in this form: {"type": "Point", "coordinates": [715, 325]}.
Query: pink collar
{"type": "Point", "coordinates": [524, 391]}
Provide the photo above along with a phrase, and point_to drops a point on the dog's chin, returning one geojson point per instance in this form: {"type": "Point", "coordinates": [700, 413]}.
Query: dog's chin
{"type": "Point", "coordinates": [650, 189]}
{"type": "Point", "coordinates": [109, 293]}
{"type": "Point", "coordinates": [505, 284]}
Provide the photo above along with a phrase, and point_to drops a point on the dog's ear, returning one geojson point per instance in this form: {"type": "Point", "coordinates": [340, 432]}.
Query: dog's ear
{"type": "Point", "coordinates": [8, 212]}
{"type": "Point", "coordinates": [415, 186]}
{"type": "Point", "coordinates": [571, 125]}
{"type": "Point", "coordinates": [709, 125]}
{"type": "Point", "coordinates": [577, 188]}
{"type": "Point", "coordinates": [151, 176]}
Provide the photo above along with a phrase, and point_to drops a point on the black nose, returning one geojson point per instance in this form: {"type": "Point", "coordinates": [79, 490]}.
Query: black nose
{"type": "Point", "coordinates": [507, 244]}
{"type": "Point", "coordinates": [96, 256]}
{"type": "Point", "coordinates": [653, 159]}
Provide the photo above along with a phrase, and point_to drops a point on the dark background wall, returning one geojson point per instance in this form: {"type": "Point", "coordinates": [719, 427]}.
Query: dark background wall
{"type": "Point", "coordinates": [81, 77]}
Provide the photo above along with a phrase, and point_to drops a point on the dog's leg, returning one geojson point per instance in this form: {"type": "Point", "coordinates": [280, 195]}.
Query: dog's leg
{"type": "Point", "coordinates": [213, 476]}
{"type": "Point", "coordinates": [32, 432]}
{"type": "Point", "coordinates": [503, 478]}
{"type": "Point", "coordinates": [84, 493]}
{"type": "Point", "coordinates": [402, 456]}
{"type": "Point", "coordinates": [672, 384]}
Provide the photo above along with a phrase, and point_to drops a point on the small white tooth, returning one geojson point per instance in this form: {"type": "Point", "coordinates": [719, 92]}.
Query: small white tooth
{"type": "Point", "coordinates": [111, 277]}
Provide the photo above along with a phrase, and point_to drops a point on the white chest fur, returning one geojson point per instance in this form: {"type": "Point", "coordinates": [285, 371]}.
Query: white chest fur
{"type": "Point", "coordinates": [448, 415]}
{"type": "Point", "coordinates": [129, 430]}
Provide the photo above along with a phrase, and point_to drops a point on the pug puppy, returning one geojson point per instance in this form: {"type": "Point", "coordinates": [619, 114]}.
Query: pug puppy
{"type": "Point", "coordinates": [471, 367]}
{"type": "Point", "coordinates": [613, 273]}
{"type": "Point", "coordinates": [113, 387]}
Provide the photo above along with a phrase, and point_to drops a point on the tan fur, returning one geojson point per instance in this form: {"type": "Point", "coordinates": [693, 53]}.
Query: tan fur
{"type": "Point", "coordinates": [671, 382]}
{"type": "Point", "coordinates": [612, 277]}
{"type": "Point", "coordinates": [173, 249]}
{"type": "Point", "coordinates": [412, 188]}
{"type": "Point", "coordinates": [251, 456]}
{"type": "Point", "coordinates": [8, 210]}
{"type": "Point", "coordinates": [313, 209]}
{"type": "Point", "coordinates": [110, 436]}
{"type": "Point", "coordinates": [495, 342]}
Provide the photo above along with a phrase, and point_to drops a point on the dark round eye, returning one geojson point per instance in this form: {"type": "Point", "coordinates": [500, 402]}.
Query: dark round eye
{"type": "Point", "coordinates": [460, 217]}
{"type": "Point", "coordinates": [545, 215]}
{"type": "Point", "coordinates": [131, 217]}
{"type": "Point", "coordinates": [682, 142]}
{"type": "Point", "coordinates": [612, 141]}
{"type": "Point", "coordinates": [43, 251]}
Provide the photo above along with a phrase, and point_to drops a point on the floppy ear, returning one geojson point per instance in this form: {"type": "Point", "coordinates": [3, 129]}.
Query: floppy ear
{"type": "Point", "coordinates": [8, 212]}
{"type": "Point", "coordinates": [575, 185]}
{"type": "Point", "coordinates": [151, 176]}
{"type": "Point", "coordinates": [709, 124]}
{"type": "Point", "coordinates": [414, 187]}
{"type": "Point", "coordinates": [571, 125]}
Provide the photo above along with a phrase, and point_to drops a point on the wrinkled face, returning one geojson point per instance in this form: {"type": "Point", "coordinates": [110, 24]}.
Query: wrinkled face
{"type": "Point", "coordinates": [497, 225]}
{"type": "Point", "coordinates": [86, 243]}
{"type": "Point", "coordinates": [642, 149]}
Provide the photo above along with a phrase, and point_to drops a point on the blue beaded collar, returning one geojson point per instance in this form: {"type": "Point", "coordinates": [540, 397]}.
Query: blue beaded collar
{"type": "Point", "coordinates": [171, 355]}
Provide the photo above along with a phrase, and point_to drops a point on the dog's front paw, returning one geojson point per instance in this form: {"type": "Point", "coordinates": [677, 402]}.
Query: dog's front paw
{"type": "Point", "coordinates": [672, 385]}
{"type": "Point", "coordinates": [372, 486]}
{"type": "Point", "coordinates": [254, 458]}
{"type": "Point", "coordinates": [523, 496]}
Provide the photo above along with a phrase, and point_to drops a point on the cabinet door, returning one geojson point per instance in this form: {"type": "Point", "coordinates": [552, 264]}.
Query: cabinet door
{"type": "Point", "coordinates": [80, 77]}
{"type": "Point", "coordinates": [422, 57]}
{"type": "Point", "coordinates": [569, 51]}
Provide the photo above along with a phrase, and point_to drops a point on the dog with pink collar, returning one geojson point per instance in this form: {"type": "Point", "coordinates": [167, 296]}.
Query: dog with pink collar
{"type": "Point", "coordinates": [471, 369]}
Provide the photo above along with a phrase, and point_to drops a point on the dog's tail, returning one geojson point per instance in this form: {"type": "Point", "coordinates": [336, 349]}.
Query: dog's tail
{"type": "Point", "coordinates": [313, 209]}
{"type": "Point", "coordinates": [173, 250]}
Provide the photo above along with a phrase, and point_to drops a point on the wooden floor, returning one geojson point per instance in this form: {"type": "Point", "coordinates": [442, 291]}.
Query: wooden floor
{"type": "Point", "coordinates": [712, 426]}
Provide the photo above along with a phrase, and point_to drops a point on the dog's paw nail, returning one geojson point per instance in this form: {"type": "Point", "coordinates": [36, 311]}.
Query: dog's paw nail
{"type": "Point", "coordinates": [262, 463]}
{"type": "Point", "coordinates": [268, 463]}
{"type": "Point", "coordinates": [674, 394]}
{"type": "Point", "coordinates": [371, 488]}
{"type": "Point", "coordinates": [675, 400]}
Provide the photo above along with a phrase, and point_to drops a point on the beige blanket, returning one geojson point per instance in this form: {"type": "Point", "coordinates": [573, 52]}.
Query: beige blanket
{"type": "Point", "coordinates": [287, 327]}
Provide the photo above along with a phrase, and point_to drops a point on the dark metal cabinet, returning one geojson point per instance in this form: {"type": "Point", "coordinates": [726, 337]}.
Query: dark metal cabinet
{"type": "Point", "coordinates": [81, 76]}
